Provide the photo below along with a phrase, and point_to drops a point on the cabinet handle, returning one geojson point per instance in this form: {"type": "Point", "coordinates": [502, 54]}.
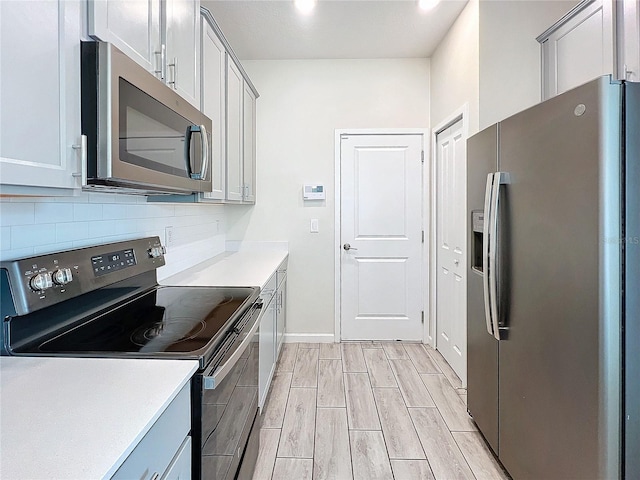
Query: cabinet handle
{"type": "Point", "coordinates": [174, 65]}
{"type": "Point", "coordinates": [82, 146]}
{"type": "Point", "coordinates": [155, 476]}
{"type": "Point", "coordinates": [160, 71]}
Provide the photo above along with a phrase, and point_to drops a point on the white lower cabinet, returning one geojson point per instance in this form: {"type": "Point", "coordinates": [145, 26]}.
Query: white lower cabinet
{"type": "Point", "coordinates": [165, 451]}
{"type": "Point", "coordinates": [272, 327]}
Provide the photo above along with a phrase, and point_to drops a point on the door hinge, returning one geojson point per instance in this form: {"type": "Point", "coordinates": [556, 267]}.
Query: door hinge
{"type": "Point", "coordinates": [422, 317]}
{"type": "Point", "coordinates": [422, 236]}
{"type": "Point", "coordinates": [422, 156]}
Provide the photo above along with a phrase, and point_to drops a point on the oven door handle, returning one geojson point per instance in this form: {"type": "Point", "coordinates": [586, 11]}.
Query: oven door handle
{"type": "Point", "coordinates": [209, 382]}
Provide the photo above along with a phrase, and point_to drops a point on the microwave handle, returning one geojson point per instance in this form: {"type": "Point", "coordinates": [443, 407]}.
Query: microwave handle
{"type": "Point", "coordinates": [204, 145]}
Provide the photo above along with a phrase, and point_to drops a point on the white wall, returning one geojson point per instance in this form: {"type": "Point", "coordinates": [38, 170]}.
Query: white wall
{"type": "Point", "coordinates": [302, 103]}
{"type": "Point", "coordinates": [510, 77]}
{"type": "Point", "coordinates": [455, 70]}
{"type": "Point", "coordinates": [32, 226]}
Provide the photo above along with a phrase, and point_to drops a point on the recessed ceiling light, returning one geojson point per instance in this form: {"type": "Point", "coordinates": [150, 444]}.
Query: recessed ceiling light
{"type": "Point", "coordinates": [427, 4]}
{"type": "Point", "coordinates": [305, 6]}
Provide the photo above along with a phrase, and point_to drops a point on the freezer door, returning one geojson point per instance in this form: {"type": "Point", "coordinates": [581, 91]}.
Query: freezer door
{"type": "Point", "coordinates": [559, 393]}
{"type": "Point", "coordinates": [482, 347]}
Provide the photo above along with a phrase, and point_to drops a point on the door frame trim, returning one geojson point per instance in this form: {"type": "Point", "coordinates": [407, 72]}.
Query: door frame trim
{"type": "Point", "coordinates": [337, 216]}
{"type": "Point", "coordinates": [461, 113]}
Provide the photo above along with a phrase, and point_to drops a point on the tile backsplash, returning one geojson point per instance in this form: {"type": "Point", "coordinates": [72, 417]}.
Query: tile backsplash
{"type": "Point", "coordinates": [37, 225]}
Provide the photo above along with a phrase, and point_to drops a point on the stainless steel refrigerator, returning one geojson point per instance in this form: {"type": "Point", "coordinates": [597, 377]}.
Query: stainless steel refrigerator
{"type": "Point", "coordinates": [554, 285]}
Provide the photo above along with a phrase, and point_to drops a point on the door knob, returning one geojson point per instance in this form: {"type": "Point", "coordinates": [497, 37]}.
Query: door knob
{"type": "Point", "coordinates": [348, 247]}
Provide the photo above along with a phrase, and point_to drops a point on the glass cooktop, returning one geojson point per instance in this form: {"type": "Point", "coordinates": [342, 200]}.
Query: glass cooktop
{"type": "Point", "coordinates": [166, 319]}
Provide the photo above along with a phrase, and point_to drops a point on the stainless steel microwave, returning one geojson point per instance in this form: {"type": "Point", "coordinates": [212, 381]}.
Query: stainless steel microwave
{"type": "Point", "coordinates": [141, 136]}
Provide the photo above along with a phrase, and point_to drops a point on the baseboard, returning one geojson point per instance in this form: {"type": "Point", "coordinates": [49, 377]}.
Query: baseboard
{"type": "Point", "coordinates": [309, 338]}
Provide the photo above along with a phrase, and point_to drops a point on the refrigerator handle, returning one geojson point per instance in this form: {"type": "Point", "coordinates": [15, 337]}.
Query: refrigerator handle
{"type": "Point", "coordinates": [486, 265]}
{"type": "Point", "coordinates": [499, 178]}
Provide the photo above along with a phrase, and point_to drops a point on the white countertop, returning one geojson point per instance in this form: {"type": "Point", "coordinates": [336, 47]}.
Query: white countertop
{"type": "Point", "coordinates": [80, 418]}
{"type": "Point", "coordinates": [246, 268]}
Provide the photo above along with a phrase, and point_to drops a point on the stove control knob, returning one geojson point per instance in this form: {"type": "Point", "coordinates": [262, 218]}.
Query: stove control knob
{"type": "Point", "coordinates": [41, 281]}
{"type": "Point", "coordinates": [62, 276]}
{"type": "Point", "coordinates": [155, 252]}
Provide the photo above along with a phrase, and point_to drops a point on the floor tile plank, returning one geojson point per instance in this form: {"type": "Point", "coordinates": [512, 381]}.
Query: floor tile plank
{"type": "Point", "coordinates": [267, 454]}
{"type": "Point", "coordinates": [287, 359]}
{"type": "Point", "coordinates": [421, 359]}
{"type": "Point", "coordinates": [276, 404]}
{"type": "Point", "coordinates": [411, 470]}
{"type": "Point", "coordinates": [394, 350]}
{"type": "Point", "coordinates": [352, 358]}
{"type": "Point", "coordinates": [332, 456]}
{"type": "Point", "coordinates": [308, 345]}
{"type": "Point", "coordinates": [398, 430]}
{"type": "Point", "coordinates": [444, 456]}
{"type": "Point", "coordinates": [451, 375]}
{"type": "Point", "coordinates": [330, 351]}
{"type": "Point", "coordinates": [370, 460]}
{"type": "Point", "coordinates": [305, 373]}
{"type": "Point", "coordinates": [413, 390]}
{"type": "Point", "coordinates": [379, 369]}
{"type": "Point", "coordinates": [361, 407]}
{"type": "Point", "coordinates": [290, 468]}
{"type": "Point", "coordinates": [330, 384]}
{"type": "Point", "coordinates": [298, 430]}
{"type": "Point", "coordinates": [482, 462]}
{"type": "Point", "coordinates": [449, 403]}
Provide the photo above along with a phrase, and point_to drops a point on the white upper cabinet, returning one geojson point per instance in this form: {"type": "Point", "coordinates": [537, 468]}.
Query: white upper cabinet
{"type": "Point", "coordinates": [132, 26]}
{"type": "Point", "coordinates": [249, 145]}
{"type": "Point", "coordinates": [40, 133]}
{"type": "Point", "coordinates": [162, 36]}
{"type": "Point", "coordinates": [182, 20]}
{"type": "Point", "coordinates": [235, 125]}
{"type": "Point", "coordinates": [597, 37]}
{"type": "Point", "coordinates": [213, 68]}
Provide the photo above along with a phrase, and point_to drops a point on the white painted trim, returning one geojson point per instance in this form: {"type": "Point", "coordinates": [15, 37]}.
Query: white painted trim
{"type": "Point", "coordinates": [461, 113]}
{"type": "Point", "coordinates": [373, 131]}
{"type": "Point", "coordinates": [309, 338]}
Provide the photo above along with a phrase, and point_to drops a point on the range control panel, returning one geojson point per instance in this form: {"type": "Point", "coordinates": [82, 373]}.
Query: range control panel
{"type": "Point", "coordinates": [45, 280]}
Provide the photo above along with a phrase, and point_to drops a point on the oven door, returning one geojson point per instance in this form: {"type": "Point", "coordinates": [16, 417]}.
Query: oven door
{"type": "Point", "coordinates": [140, 133]}
{"type": "Point", "coordinates": [229, 436]}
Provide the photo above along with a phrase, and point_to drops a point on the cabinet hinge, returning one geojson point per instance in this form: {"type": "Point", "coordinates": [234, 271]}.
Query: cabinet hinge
{"type": "Point", "coordinates": [422, 156]}
{"type": "Point", "coordinates": [422, 316]}
{"type": "Point", "coordinates": [422, 236]}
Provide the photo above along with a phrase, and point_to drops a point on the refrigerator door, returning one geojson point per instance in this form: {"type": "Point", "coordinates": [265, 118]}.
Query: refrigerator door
{"type": "Point", "coordinates": [482, 347]}
{"type": "Point", "coordinates": [632, 283]}
{"type": "Point", "coordinates": [559, 364]}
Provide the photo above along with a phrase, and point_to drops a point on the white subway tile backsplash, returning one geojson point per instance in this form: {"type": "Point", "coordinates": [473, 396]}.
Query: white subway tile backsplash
{"type": "Point", "coordinates": [53, 212]}
{"type": "Point", "coordinates": [31, 226]}
{"type": "Point", "coordinates": [83, 212]}
{"type": "Point", "coordinates": [5, 238]}
{"type": "Point", "coordinates": [17, 213]}
{"type": "Point", "coordinates": [23, 236]}
{"type": "Point", "coordinates": [67, 232]}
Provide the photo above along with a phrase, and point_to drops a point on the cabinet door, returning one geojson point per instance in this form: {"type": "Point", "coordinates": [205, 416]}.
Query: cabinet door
{"type": "Point", "coordinates": [281, 319]}
{"type": "Point", "coordinates": [628, 27]}
{"type": "Point", "coordinates": [39, 95]}
{"type": "Point", "coordinates": [213, 66]}
{"type": "Point", "coordinates": [133, 27]}
{"type": "Point", "coordinates": [249, 146]}
{"type": "Point", "coordinates": [234, 131]}
{"type": "Point", "coordinates": [267, 357]}
{"type": "Point", "coordinates": [182, 20]}
{"type": "Point", "coordinates": [180, 467]}
{"type": "Point", "coordinates": [579, 48]}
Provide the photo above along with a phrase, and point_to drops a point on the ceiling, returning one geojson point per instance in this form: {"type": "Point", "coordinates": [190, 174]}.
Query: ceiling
{"type": "Point", "coordinates": [274, 29]}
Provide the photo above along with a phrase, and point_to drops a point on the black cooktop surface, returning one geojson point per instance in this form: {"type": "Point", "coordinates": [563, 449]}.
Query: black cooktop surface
{"type": "Point", "coordinates": [181, 320]}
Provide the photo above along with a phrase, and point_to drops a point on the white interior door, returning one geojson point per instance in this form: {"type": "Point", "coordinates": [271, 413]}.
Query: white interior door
{"type": "Point", "coordinates": [451, 282]}
{"type": "Point", "coordinates": [381, 237]}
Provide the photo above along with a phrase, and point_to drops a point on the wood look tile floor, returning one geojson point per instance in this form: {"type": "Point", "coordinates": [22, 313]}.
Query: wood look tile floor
{"type": "Point", "coordinates": [369, 410]}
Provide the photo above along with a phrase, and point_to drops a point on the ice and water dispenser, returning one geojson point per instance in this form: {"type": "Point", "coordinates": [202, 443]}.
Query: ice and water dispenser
{"type": "Point", "coordinates": [477, 222]}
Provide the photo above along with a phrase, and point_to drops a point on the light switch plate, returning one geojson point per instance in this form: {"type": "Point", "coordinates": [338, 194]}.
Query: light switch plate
{"type": "Point", "coordinates": [314, 226]}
